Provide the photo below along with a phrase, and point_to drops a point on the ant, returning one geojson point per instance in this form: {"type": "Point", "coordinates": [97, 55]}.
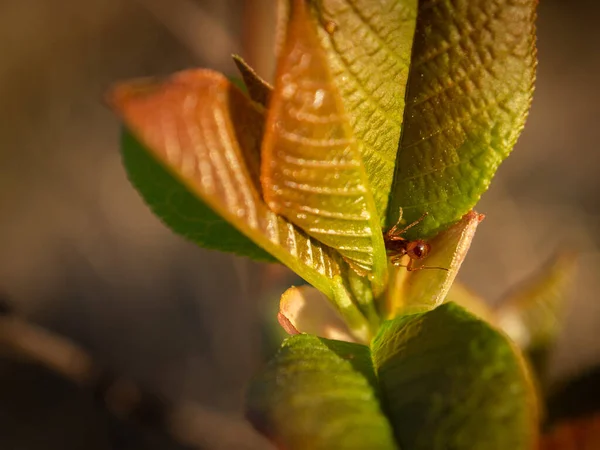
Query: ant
{"type": "Point", "coordinates": [397, 246]}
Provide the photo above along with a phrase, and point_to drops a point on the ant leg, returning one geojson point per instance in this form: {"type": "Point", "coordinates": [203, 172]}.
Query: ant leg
{"type": "Point", "coordinates": [410, 268]}
{"type": "Point", "coordinates": [395, 260]}
{"type": "Point", "coordinates": [394, 229]}
{"type": "Point", "coordinates": [413, 269]}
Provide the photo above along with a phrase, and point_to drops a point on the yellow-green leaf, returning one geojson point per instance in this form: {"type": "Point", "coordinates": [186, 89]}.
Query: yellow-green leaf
{"type": "Point", "coordinates": [368, 45]}
{"type": "Point", "coordinates": [469, 91]}
{"type": "Point", "coordinates": [425, 289]}
{"type": "Point", "coordinates": [451, 381]}
{"type": "Point", "coordinates": [312, 171]}
{"type": "Point", "coordinates": [320, 394]}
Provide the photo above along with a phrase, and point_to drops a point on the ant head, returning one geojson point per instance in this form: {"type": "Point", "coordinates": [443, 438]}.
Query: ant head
{"type": "Point", "coordinates": [418, 249]}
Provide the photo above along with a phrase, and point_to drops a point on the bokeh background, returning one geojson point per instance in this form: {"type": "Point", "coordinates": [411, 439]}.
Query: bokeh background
{"type": "Point", "coordinates": [81, 255]}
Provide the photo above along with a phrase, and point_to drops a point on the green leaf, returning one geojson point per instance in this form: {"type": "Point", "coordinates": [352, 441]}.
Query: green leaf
{"type": "Point", "coordinates": [469, 92]}
{"type": "Point", "coordinates": [178, 208]}
{"type": "Point", "coordinates": [440, 380]}
{"type": "Point", "coordinates": [206, 134]}
{"type": "Point", "coordinates": [450, 381]}
{"type": "Point", "coordinates": [311, 169]}
{"type": "Point", "coordinates": [368, 46]}
{"type": "Point", "coordinates": [319, 394]}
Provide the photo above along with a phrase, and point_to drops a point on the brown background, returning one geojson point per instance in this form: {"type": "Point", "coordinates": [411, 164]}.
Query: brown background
{"type": "Point", "coordinates": [83, 256]}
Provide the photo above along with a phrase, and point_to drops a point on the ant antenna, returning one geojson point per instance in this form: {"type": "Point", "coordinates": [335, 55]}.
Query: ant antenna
{"type": "Point", "coordinates": [394, 229]}
{"type": "Point", "coordinates": [410, 268]}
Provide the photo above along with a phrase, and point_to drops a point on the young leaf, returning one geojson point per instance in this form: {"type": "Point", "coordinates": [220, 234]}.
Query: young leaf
{"type": "Point", "coordinates": [368, 47]}
{"type": "Point", "coordinates": [312, 171]}
{"type": "Point", "coordinates": [207, 134]}
{"type": "Point", "coordinates": [470, 88]}
{"type": "Point", "coordinates": [319, 394]}
{"type": "Point", "coordinates": [450, 381]}
{"type": "Point", "coordinates": [304, 309]}
{"type": "Point", "coordinates": [425, 289]}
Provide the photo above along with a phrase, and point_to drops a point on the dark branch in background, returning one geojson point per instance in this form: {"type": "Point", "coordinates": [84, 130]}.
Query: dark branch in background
{"type": "Point", "coordinates": [187, 423]}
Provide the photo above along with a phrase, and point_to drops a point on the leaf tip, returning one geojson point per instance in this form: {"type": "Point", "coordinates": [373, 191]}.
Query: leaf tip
{"type": "Point", "coordinates": [286, 324]}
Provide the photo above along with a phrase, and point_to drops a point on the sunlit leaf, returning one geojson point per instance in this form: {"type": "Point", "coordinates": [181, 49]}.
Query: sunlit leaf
{"type": "Point", "coordinates": [304, 309]}
{"type": "Point", "coordinates": [179, 208]}
{"type": "Point", "coordinates": [453, 382]}
{"type": "Point", "coordinates": [312, 171]}
{"type": "Point", "coordinates": [425, 289]}
{"type": "Point", "coordinates": [258, 89]}
{"type": "Point", "coordinates": [368, 45]}
{"type": "Point", "coordinates": [441, 380]}
{"type": "Point", "coordinates": [319, 394]}
{"type": "Point", "coordinates": [207, 134]}
{"type": "Point", "coordinates": [470, 88]}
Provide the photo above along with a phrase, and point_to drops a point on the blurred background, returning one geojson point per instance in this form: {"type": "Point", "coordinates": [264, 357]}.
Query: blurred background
{"type": "Point", "coordinates": [81, 255]}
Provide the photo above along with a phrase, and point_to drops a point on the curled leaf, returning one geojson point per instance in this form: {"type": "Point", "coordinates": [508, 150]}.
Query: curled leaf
{"type": "Point", "coordinates": [423, 290]}
{"type": "Point", "coordinates": [207, 133]}
{"type": "Point", "coordinates": [304, 309]}
{"type": "Point", "coordinates": [312, 171]}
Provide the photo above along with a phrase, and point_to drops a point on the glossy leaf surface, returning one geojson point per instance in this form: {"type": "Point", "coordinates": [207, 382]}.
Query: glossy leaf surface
{"type": "Point", "coordinates": [311, 170]}
{"type": "Point", "coordinates": [469, 91]}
